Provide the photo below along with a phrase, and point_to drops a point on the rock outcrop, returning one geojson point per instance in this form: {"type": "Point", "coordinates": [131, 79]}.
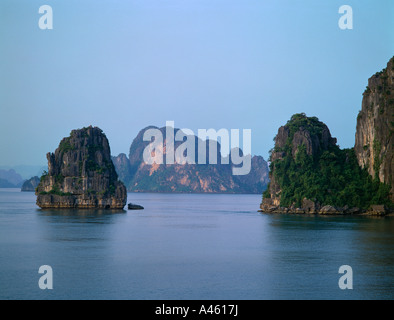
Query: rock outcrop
{"type": "Point", "coordinates": [311, 174]}
{"type": "Point", "coordinates": [133, 206]}
{"type": "Point", "coordinates": [375, 127]}
{"type": "Point", "coordinates": [139, 176]}
{"type": "Point", "coordinates": [122, 167]}
{"type": "Point", "coordinates": [81, 174]}
{"type": "Point", "coordinates": [30, 185]}
{"type": "Point", "coordinates": [258, 178]}
{"type": "Point", "coordinates": [300, 132]}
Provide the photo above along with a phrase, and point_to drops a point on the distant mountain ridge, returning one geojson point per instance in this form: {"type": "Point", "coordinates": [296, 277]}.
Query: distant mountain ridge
{"type": "Point", "coordinates": [17, 176]}
{"type": "Point", "coordinates": [26, 171]}
{"type": "Point", "coordinates": [10, 179]}
{"type": "Point", "coordinates": [6, 184]}
{"type": "Point", "coordinates": [186, 178]}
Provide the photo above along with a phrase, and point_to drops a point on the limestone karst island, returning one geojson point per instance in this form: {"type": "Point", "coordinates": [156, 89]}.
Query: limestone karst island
{"type": "Point", "coordinates": [81, 174]}
{"type": "Point", "coordinates": [309, 173]}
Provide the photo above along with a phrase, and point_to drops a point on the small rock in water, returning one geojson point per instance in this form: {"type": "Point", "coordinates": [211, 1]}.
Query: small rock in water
{"type": "Point", "coordinates": [133, 206]}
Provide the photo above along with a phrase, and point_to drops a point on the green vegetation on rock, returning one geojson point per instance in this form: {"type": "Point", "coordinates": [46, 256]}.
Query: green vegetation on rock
{"type": "Point", "coordinates": [329, 176]}
{"type": "Point", "coordinates": [65, 146]}
{"type": "Point", "coordinates": [81, 174]}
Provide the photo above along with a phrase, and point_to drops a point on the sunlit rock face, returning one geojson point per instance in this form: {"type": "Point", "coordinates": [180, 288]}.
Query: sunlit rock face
{"type": "Point", "coordinates": [375, 127]}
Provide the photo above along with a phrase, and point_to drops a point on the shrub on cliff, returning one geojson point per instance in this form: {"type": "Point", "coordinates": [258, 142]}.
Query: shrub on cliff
{"type": "Point", "coordinates": [328, 175]}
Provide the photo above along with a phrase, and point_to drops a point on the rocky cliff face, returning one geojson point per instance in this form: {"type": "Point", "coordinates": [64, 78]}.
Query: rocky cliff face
{"type": "Point", "coordinates": [299, 132]}
{"type": "Point", "coordinates": [186, 178]}
{"type": "Point", "coordinates": [81, 174]}
{"type": "Point", "coordinates": [258, 178]}
{"type": "Point", "coordinates": [122, 167]}
{"type": "Point", "coordinates": [310, 174]}
{"type": "Point", "coordinates": [375, 127]}
{"type": "Point", "coordinates": [30, 185]}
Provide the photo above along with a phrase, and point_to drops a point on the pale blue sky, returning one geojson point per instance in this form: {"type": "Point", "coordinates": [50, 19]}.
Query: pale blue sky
{"type": "Point", "coordinates": [235, 64]}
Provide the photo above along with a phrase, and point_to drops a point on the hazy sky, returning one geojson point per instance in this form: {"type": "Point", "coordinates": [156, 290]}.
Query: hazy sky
{"type": "Point", "coordinates": [235, 64]}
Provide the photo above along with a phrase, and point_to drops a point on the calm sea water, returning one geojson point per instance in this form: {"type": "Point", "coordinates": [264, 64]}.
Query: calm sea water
{"type": "Point", "coordinates": [190, 247]}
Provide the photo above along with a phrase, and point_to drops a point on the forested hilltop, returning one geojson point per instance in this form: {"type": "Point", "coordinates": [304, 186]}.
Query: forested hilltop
{"type": "Point", "coordinates": [309, 173]}
{"type": "Point", "coordinates": [307, 166]}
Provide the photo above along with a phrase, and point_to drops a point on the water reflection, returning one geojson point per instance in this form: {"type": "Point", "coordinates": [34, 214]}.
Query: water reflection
{"type": "Point", "coordinates": [314, 247]}
{"type": "Point", "coordinates": [72, 225]}
{"type": "Point", "coordinates": [80, 215]}
{"type": "Point", "coordinates": [190, 247]}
